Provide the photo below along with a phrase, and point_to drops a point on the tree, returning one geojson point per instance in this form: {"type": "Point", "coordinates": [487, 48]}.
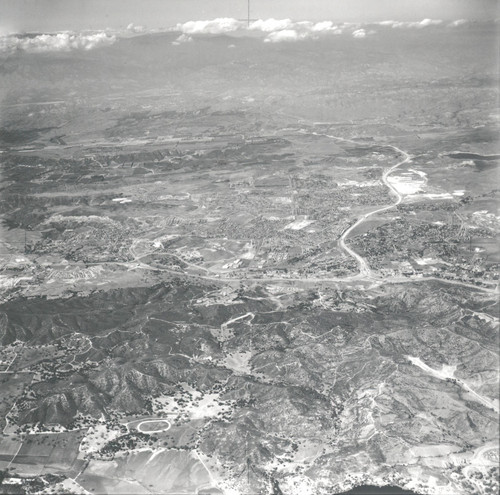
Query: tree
{"type": "Point", "coordinates": [3, 474]}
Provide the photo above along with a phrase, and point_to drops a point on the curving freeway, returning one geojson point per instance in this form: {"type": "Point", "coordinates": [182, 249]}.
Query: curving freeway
{"type": "Point", "coordinates": [364, 269]}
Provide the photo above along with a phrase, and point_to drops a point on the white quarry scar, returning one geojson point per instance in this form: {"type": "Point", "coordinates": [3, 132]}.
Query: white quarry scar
{"type": "Point", "coordinates": [448, 372]}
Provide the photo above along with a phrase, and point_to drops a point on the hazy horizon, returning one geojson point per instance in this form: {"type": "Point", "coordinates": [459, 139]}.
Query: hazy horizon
{"type": "Point", "coordinates": [60, 15]}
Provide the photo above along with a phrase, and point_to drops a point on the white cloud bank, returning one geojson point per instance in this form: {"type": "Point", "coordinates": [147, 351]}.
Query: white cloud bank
{"type": "Point", "coordinates": [215, 26]}
{"type": "Point", "coordinates": [418, 25]}
{"type": "Point", "coordinates": [271, 25]}
{"type": "Point", "coordinates": [271, 30]}
{"type": "Point", "coordinates": [275, 30]}
{"type": "Point", "coordinates": [60, 42]}
{"type": "Point", "coordinates": [279, 30]}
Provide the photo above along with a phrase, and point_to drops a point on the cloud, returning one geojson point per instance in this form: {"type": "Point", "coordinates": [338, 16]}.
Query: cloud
{"type": "Point", "coordinates": [405, 24]}
{"type": "Point", "coordinates": [283, 35]}
{"type": "Point", "coordinates": [228, 25]}
{"type": "Point", "coordinates": [429, 22]}
{"type": "Point", "coordinates": [458, 22]}
{"type": "Point", "coordinates": [275, 29]}
{"type": "Point", "coordinates": [270, 25]}
{"type": "Point", "coordinates": [386, 23]}
{"type": "Point", "coordinates": [183, 38]}
{"type": "Point", "coordinates": [285, 30]}
{"type": "Point", "coordinates": [135, 29]}
{"type": "Point", "coordinates": [215, 26]}
{"type": "Point", "coordinates": [270, 30]}
{"type": "Point", "coordinates": [60, 42]}
{"type": "Point", "coordinates": [321, 27]}
{"type": "Point", "coordinates": [359, 33]}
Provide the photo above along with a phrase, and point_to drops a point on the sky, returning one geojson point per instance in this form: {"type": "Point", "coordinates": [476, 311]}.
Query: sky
{"type": "Point", "coordinates": [78, 15]}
